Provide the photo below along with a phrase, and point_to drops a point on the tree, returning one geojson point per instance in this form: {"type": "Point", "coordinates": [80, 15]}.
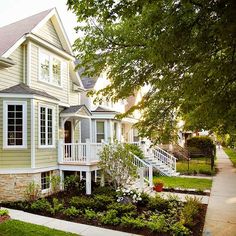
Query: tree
{"type": "Point", "coordinates": [184, 50]}
{"type": "Point", "coordinates": [116, 162]}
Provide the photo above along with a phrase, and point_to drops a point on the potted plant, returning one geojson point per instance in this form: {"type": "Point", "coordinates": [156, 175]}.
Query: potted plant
{"type": "Point", "coordinates": [158, 185]}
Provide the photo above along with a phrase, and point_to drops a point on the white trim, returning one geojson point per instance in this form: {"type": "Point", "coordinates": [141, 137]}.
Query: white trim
{"type": "Point", "coordinates": [28, 77]}
{"type": "Point", "coordinates": [53, 126]}
{"type": "Point", "coordinates": [51, 57]}
{"type": "Point", "coordinates": [28, 170]}
{"type": "Point", "coordinates": [5, 124]}
{"type": "Point", "coordinates": [32, 133]}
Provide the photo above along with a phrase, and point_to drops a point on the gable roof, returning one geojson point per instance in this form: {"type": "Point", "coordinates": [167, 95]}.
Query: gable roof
{"type": "Point", "coordinates": [75, 110]}
{"type": "Point", "coordinates": [102, 109]}
{"type": "Point", "coordinates": [24, 89]}
{"type": "Point", "coordinates": [11, 33]}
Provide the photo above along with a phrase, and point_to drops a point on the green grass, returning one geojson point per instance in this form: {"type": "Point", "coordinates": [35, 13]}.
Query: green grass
{"type": "Point", "coordinates": [232, 155]}
{"type": "Point", "coordinates": [186, 183]}
{"type": "Point", "coordinates": [19, 228]}
{"type": "Point", "coordinates": [196, 166]}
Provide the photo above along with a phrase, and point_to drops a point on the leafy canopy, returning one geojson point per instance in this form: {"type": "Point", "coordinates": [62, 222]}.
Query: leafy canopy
{"type": "Point", "coordinates": [183, 49]}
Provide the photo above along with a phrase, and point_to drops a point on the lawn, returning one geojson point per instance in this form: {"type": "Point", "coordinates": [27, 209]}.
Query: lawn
{"type": "Point", "coordinates": [232, 155]}
{"type": "Point", "coordinates": [19, 228]}
{"type": "Point", "coordinates": [186, 183]}
{"type": "Point", "coordinates": [199, 165]}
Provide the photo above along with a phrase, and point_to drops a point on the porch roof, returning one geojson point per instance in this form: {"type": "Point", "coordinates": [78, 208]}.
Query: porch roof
{"type": "Point", "coordinates": [76, 111]}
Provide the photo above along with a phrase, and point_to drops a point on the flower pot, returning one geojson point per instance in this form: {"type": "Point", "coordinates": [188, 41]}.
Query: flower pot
{"type": "Point", "coordinates": [158, 187]}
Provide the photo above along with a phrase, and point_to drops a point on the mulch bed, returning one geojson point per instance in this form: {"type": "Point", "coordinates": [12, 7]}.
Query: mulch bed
{"type": "Point", "coordinates": [4, 218]}
{"type": "Point", "coordinates": [173, 190]}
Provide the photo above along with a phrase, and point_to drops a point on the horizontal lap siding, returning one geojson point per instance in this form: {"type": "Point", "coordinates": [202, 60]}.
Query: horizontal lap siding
{"type": "Point", "coordinates": [45, 157]}
{"type": "Point", "coordinates": [59, 93]}
{"type": "Point", "coordinates": [19, 158]}
{"type": "Point", "coordinates": [13, 75]}
{"type": "Point", "coordinates": [49, 33]}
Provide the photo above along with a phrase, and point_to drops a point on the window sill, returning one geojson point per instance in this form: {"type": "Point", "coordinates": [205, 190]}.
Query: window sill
{"type": "Point", "coordinates": [14, 147]}
{"type": "Point", "coordinates": [46, 147]}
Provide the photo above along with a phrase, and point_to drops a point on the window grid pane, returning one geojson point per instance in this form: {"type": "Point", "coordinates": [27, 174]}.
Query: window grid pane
{"type": "Point", "coordinates": [46, 126]}
{"type": "Point", "coordinates": [45, 180]}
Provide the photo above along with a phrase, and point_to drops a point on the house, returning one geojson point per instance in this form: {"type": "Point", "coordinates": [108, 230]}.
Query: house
{"type": "Point", "coordinates": [47, 124]}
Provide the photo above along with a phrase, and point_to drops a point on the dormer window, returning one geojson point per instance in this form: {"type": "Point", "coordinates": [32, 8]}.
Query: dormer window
{"type": "Point", "coordinates": [49, 68]}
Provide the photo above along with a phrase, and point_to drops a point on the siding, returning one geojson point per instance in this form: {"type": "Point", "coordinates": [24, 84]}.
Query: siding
{"type": "Point", "coordinates": [13, 75]}
{"type": "Point", "coordinates": [62, 93]}
{"type": "Point", "coordinates": [19, 158]}
{"type": "Point", "coordinates": [49, 33]}
{"type": "Point", "coordinates": [45, 157]}
{"type": "Point", "coordinates": [74, 96]}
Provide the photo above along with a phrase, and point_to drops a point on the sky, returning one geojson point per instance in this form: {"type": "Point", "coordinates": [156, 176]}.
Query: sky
{"type": "Point", "coordinates": [14, 10]}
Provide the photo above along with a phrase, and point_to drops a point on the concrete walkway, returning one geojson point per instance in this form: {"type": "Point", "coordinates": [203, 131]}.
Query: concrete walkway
{"type": "Point", "coordinates": [81, 229]}
{"type": "Point", "coordinates": [221, 212]}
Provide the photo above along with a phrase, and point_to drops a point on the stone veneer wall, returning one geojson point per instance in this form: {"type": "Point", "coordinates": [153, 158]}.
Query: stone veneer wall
{"type": "Point", "coordinates": [13, 186]}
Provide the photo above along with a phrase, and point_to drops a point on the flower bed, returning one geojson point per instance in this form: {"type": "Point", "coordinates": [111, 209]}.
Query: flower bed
{"type": "Point", "coordinates": [4, 215]}
{"type": "Point", "coordinates": [124, 210]}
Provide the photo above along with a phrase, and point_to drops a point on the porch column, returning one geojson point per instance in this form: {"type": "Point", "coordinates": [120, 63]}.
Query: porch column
{"type": "Point", "coordinates": [110, 131]}
{"type": "Point", "coordinates": [61, 180]}
{"type": "Point", "coordinates": [90, 130]}
{"type": "Point", "coordinates": [88, 183]}
{"type": "Point", "coordinates": [61, 141]}
{"type": "Point", "coordinates": [119, 131]}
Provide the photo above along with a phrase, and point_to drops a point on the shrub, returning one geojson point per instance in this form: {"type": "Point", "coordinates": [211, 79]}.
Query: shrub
{"type": "Point", "coordinates": [203, 143]}
{"type": "Point", "coordinates": [55, 183]}
{"type": "Point", "coordinates": [136, 150]}
{"type": "Point", "coordinates": [179, 229]}
{"type": "Point", "coordinates": [72, 184]}
{"type": "Point", "coordinates": [190, 210]}
{"type": "Point", "coordinates": [135, 223]}
{"type": "Point", "coordinates": [32, 192]}
{"type": "Point", "coordinates": [4, 212]}
{"type": "Point", "coordinates": [157, 223]}
{"type": "Point", "coordinates": [123, 208]}
{"type": "Point", "coordinates": [82, 202]}
{"type": "Point", "coordinates": [71, 212]}
{"type": "Point", "coordinates": [110, 218]}
{"type": "Point", "coordinates": [56, 206]}
{"type": "Point", "coordinates": [41, 205]}
{"type": "Point", "coordinates": [158, 203]}
{"type": "Point", "coordinates": [90, 214]}
{"type": "Point", "coordinates": [102, 201]}
{"type": "Point", "coordinates": [145, 199]}
{"type": "Point", "coordinates": [106, 190]}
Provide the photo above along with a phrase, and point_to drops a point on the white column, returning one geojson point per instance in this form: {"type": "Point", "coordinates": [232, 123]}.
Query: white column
{"type": "Point", "coordinates": [119, 131]}
{"type": "Point", "coordinates": [110, 131]}
{"type": "Point", "coordinates": [90, 130]}
{"type": "Point", "coordinates": [61, 180]}
{"type": "Point", "coordinates": [88, 182]}
{"type": "Point", "coordinates": [32, 133]}
{"type": "Point", "coordinates": [88, 151]}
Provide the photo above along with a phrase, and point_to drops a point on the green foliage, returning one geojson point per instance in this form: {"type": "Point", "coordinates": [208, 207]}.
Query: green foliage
{"type": "Point", "coordinates": [179, 229]}
{"type": "Point", "coordinates": [145, 199]}
{"type": "Point", "coordinates": [57, 206]}
{"type": "Point", "coordinates": [157, 223]}
{"type": "Point", "coordinates": [32, 192]}
{"type": "Point", "coordinates": [55, 183]}
{"type": "Point", "coordinates": [71, 212]}
{"type": "Point", "coordinates": [117, 162]}
{"type": "Point", "coordinates": [232, 155]}
{"type": "Point", "coordinates": [4, 212]}
{"type": "Point", "coordinates": [110, 218]}
{"type": "Point", "coordinates": [190, 210]}
{"type": "Point", "coordinates": [72, 184]}
{"type": "Point", "coordinates": [130, 222]}
{"type": "Point", "coordinates": [135, 149]}
{"type": "Point", "coordinates": [184, 50]}
{"type": "Point", "coordinates": [90, 214]}
{"type": "Point", "coordinates": [122, 208]}
{"type": "Point", "coordinates": [158, 203]}
{"type": "Point", "coordinates": [82, 202]}
{"type": "Point", "coordinates": [106, 190]}
{"type": "Point", "coordinates": [203, 143]}
{"type": "Point", "coordinates": [102, 201]}
{"type": "Point", "coordinates": [41, 205]}
{"type": "Point", "coordinates": [158, 181]}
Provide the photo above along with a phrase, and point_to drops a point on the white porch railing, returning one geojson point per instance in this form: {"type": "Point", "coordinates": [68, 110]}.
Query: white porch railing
{"type": "Point", "coordinates": [165, 157]}
{"type": "Point", "coordinates": [80, 152]}
{"type": "Point", "coordinates": [144, 169]}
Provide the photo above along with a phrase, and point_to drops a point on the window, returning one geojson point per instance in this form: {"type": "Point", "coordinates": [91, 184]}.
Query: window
{"type": "Point", "coordinates": [100, 131]}
{"type": "Point", "coordinates": [15, 124]}
{"type": "Point", "coordinates": [136, 135]}
{"type": "Point", "coordinates": [45, 180]}
{"type": "Point", "coordinates": [46, 126]}
{"type": "Point", "coordinates": [49, 69]}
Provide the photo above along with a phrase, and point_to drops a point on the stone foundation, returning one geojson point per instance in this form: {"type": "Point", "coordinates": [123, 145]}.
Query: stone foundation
{"type": "Point", "coordinates": [13, 186]}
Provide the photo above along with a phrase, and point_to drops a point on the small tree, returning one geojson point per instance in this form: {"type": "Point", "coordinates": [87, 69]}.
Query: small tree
{"type": "Point", "coordinates": [116, 162]}
{"type": "Point", "coordinates": [32, 192]}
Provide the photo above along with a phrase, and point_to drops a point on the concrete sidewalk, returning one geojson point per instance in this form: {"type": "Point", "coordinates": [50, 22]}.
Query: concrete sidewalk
{"type": "Point", "coordinates": [221, 212]}
{"type": "Point", "coordinates": [81, 229]}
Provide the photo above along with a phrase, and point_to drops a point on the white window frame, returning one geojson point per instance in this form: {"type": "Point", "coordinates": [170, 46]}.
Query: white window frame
{"type": "Point", "coordinates": [5, 124]}
{"type": "Point", "coordinates": [97, 121]}
{"type": "Point", "coordinates": [51, 57]}
{"type": "Point", "coordinates": [46, 190]}
{"type": "Point", "coordinates": [46, 127]}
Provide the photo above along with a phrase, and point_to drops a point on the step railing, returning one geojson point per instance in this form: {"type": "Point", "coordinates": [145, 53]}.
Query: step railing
{"type": "Point", "coordinates": [165, 158]}
{"type": "Point", "coordinates": [145, 169]}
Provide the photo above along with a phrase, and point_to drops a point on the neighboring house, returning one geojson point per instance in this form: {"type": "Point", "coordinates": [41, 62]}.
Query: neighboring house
{"type": "Point", "coordinates": [47, 124]}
